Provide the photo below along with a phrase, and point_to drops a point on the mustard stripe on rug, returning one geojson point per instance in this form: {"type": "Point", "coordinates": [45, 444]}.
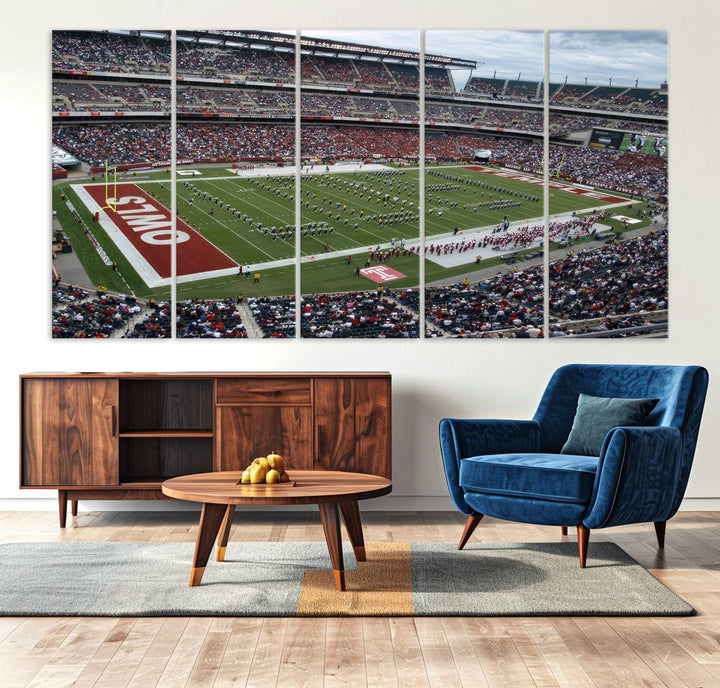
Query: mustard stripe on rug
{"type": "Point", "coordinates": [380, 586]}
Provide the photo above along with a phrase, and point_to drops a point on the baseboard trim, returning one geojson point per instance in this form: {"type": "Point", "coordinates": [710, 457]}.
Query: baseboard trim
{"type": "Point", "coordinates": [388, 503]}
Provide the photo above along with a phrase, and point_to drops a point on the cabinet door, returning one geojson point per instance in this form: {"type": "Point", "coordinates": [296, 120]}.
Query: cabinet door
{"type": "Point", "coordinates": [69, 432]}
{"type": "Point", "coordinates": [352, 425]}
{"type": "Point", "coordinates": [246, 432]}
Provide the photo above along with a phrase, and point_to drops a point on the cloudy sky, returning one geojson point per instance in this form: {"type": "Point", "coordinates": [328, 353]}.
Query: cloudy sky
{"type": "Point", "coordinates": [623, 56]}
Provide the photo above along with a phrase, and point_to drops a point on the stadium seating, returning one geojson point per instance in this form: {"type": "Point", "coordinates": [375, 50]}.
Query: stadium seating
{"type": "Point", "coordinates": [106, 52]}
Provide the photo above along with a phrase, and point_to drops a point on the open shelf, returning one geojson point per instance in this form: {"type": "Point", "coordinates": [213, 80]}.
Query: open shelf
{"type": "Point", "coordinates": [165, 405]}
{"type": "Point", "coordinates": [166, 429]}
{"type": "Point", "coordinates": [157, 458]}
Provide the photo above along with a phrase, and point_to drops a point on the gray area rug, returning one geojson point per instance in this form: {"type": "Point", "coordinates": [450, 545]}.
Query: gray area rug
{"type": "Point", "coordinates": [281, 579]}
{"type": "Point", "coordinates": [536, 579]}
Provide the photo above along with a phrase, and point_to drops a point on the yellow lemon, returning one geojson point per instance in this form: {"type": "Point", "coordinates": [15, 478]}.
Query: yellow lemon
{"type": "Point", "coordinates": [245, 476]}
{"type": "Point", "coordinates": [272, 476]}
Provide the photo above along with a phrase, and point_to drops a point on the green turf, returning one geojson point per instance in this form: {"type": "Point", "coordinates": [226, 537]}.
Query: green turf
{"type": "Point", "coordinates": [647, 147]}
{"type": "Point", "coordinates": [351, 203]}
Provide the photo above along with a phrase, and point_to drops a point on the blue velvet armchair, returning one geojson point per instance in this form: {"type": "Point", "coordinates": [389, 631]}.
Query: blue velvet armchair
{"type": "Point", "coordinates": [516, 470]}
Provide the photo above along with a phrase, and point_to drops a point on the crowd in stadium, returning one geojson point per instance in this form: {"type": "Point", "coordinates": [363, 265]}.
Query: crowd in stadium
{"type": "Point", "coordinates": [77, 314]}
{"type": "Point", "coordinates": [107, 52]}
{"type": "Point", "coordinates": [647, 101]}
{"type": "Point", "coordinates": [82, 96]}
{"type": "Point", "coordinates": [199, 59]}
{"type": "Point", "coordinates": [616, 285]}
{"type": "Point", "coordinates": [275, 315]}
{"type": "Point", "coordinates": [117, 143]}
{"type": "Point", "coordinates": [154, 324]}
{"type": "Point", "coordinates": [511, 302]}
{"type": "Point", "coordinates": [355, 314]}
{"type": "Point", "coordinates": [134, 54]}
{"type": "Point", "coordinates": [80, 314]}
{"type": "Point", "coordinates": [146, 143]}
{"type": "Point", "coordinates": [198, 318]}
{"type": "Point", "coordinates": [623, 278]}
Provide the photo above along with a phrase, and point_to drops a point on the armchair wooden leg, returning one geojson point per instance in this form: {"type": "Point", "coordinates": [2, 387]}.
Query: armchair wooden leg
{"type": "Point", "coordinates": [660, 532]}
{"type": "Point", "coordinates": [583, 535]}
{"type": "Point", "coordinates": [470, 525]}
{"type": "Point", "coordinates": [563, 530]}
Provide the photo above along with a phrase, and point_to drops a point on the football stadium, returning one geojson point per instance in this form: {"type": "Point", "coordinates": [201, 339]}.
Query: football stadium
{"type": "Point", "coordinates": [420, 198]}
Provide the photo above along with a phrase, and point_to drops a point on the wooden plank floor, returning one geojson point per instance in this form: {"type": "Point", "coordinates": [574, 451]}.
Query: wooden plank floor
{"type": "Point", "coordinates": [373, 652]}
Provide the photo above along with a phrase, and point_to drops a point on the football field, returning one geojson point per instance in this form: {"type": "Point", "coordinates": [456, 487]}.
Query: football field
{"type": "Point", "coordinates": [229, 218]}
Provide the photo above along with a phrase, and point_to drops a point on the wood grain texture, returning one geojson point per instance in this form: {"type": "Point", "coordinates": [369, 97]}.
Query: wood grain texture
{"type": "Point", "coordinates": [330, 517]}
{"type": "Point", "coordinates": [69, 432]}
{"type": "Point", "coordinates": [264, 390]}
{"type": "Point", "coordinates": [112, 433]}
{"type": "Point", "coordinates": [210, 520]}
{"type": "Point", "coordinates": [252, 431]}
{"type": "Point", "coordinates": [352, 425]}
{"type": "Point", "coordinates": [477, 653]}
{"type": "Point", "coordinates": [373, 426]}
{"type": "Point", "coordinates": [224, 533]}
{"type": "Point", "coordinates": [473, 520]}
{"type": "Point", "coordinates": [311, 487]}
{"type": "Point", "coordinates": [353, 525]}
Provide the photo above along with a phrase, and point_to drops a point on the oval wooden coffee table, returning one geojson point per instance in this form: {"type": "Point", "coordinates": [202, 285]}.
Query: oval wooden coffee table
{"type": "Point", "coordinates": [335, 493]}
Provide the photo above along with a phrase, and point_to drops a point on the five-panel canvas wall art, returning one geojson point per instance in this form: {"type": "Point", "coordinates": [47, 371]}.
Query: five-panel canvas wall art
{"type": "Point", "coordinates": [372, 184]}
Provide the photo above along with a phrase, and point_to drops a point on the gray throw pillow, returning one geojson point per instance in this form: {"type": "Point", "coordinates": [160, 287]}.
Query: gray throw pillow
{"type": "Point", "coordinates": [596, 416]}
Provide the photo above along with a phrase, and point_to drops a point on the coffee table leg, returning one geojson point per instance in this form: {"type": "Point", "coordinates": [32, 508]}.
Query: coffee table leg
{"type": "Point", "coordinates": [353, 525]}
{"type": "Point", "coordinates": [224, 534]}
{"type": "Point", "coordinates": [210, 520]}
{"type": "Point", "coordinates": [331, 525]}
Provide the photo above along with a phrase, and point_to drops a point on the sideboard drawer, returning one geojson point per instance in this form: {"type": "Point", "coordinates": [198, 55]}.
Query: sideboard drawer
{"type": "Point", "coordinates": [264, 390]}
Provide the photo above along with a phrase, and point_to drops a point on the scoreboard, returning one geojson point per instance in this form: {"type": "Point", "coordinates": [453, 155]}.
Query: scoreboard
{"type": "Point", "coordinates": [633, 142]}
{"type": "Point", "coordinates": [606, 138]}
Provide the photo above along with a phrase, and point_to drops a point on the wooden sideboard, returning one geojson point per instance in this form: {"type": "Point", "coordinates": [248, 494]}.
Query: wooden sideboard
{"type": "Point", "coordinates": [119, 435]}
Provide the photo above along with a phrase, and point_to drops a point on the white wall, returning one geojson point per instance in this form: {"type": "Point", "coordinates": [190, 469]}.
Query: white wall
{"type": "Point", "coordinates": [431, 379]}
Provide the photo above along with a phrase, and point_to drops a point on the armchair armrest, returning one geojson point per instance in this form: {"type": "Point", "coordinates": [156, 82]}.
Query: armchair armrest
{"type": "Point", "coordinates": [461, 438]}
{"type": "Point", "coordinates": [638, 477]}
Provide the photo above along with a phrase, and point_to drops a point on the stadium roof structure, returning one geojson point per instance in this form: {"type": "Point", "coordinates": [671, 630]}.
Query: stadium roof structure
{"type": "Point", "coordinates": [145, 33]}
{"type": "Point", "coordinates": [322, 46]}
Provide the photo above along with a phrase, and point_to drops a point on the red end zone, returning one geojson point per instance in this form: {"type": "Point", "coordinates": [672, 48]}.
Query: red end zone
{"type": "Point", "coordinates": [146, 224]}
{"type": "Point", "coordinates": [559, 186]}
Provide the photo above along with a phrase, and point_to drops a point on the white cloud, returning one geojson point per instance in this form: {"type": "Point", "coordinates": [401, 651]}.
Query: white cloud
{"type": "Point", "coordinates": [623, 56]}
